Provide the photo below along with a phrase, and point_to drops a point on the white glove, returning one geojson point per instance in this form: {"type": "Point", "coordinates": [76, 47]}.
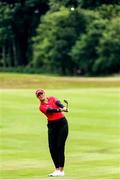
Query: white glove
{"type": "Point", "coordinates": [64, 109]}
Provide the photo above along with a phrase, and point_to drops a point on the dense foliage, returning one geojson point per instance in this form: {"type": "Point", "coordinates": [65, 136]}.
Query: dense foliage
{"type": "Point", "coordinates": [69, 37]}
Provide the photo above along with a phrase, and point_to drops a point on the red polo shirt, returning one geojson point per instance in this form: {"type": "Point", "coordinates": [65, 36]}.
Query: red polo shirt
{"type": "Point", "coordinates": [51, 104]}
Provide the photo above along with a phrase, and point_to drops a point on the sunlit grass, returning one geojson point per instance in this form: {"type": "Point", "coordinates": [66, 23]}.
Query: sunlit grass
{"type": "Point", "coordinates": [93, 145]}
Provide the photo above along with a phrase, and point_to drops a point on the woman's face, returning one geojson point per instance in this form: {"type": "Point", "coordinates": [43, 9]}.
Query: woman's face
{"type": "Point", "coordinates": [41, 96]}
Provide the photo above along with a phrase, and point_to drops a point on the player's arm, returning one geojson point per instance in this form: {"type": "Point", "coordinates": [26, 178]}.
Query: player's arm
{"type": "Point", "coordinates": [59, 104]}
{"type": "Point", "coordinates": [53, 110]}
{"type": "Point", "coordinates": [62, 107]}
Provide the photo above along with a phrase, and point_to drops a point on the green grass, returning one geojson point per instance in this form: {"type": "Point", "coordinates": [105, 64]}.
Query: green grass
{"type": "Point", "coordinates": [28, 81]}
{"type": "Point", "coordinates": [93, 145]}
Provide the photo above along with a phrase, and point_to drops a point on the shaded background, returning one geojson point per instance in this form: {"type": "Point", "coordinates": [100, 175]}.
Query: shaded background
{"type": "Point", "coordinates": [66, 37]}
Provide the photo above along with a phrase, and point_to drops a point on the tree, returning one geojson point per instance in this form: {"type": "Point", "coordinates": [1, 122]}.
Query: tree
{"type": "Point", "coordinates": [109, 11]}
{"type": "Point", "coordinates": [7, 46]}
{"type": "Point", "coordinates": [57, 4]}
{"type": "Point", "coordinates": [109, 49]}
{"type": "Point", "coordinates": [25, 17]}
{"type": "Point", "coordinates": [56, 35]}
{"type": "Point", "coordinates": [60, 36]}
{"type": "Point", "coordinates": [96, 3]}
{"type": "Point", "coordinates": [84, 52]}
{"type": "Point", "coordinates": [13, 2]}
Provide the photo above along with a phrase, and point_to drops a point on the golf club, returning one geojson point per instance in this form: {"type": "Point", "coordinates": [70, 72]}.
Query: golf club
{"type": "Point", "coordinates": [66, 102]}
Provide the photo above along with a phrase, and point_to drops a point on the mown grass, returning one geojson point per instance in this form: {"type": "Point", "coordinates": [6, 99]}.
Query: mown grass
{"type": "Point", "coordinates": [28, 81]}
{"type": "Point", "coordinates": [93, 145]}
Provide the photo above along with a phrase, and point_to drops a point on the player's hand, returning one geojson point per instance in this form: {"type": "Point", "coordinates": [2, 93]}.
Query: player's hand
{"type": "Point", "coordinates": [64, 109]}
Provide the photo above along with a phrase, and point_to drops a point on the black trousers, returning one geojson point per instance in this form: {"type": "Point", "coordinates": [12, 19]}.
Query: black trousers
{"type": "Point", "coordinates": [57, 135]}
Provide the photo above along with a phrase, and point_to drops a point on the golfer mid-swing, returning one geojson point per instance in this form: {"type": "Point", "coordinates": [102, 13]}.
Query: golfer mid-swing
{"type": "Point", "coordinates": [57, 129]}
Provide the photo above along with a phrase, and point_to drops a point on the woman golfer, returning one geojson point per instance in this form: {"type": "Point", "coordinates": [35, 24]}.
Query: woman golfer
{"type": "Point", "coordinates": [57, 129]}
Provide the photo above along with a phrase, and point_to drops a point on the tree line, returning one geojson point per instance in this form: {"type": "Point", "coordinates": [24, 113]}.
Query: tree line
{"type": "Point", "coordinates": [68, 37]}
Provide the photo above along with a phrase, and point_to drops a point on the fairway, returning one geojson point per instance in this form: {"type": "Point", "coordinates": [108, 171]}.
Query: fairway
{"type": "Point", "coordinates": [93, 145]}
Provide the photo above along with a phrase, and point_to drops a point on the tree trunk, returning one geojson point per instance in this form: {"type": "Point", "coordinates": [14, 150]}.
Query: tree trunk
{"type": "Point", "coordinates": [15, 63]}
{"type": "Point", "coordinates": [3, 56]}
